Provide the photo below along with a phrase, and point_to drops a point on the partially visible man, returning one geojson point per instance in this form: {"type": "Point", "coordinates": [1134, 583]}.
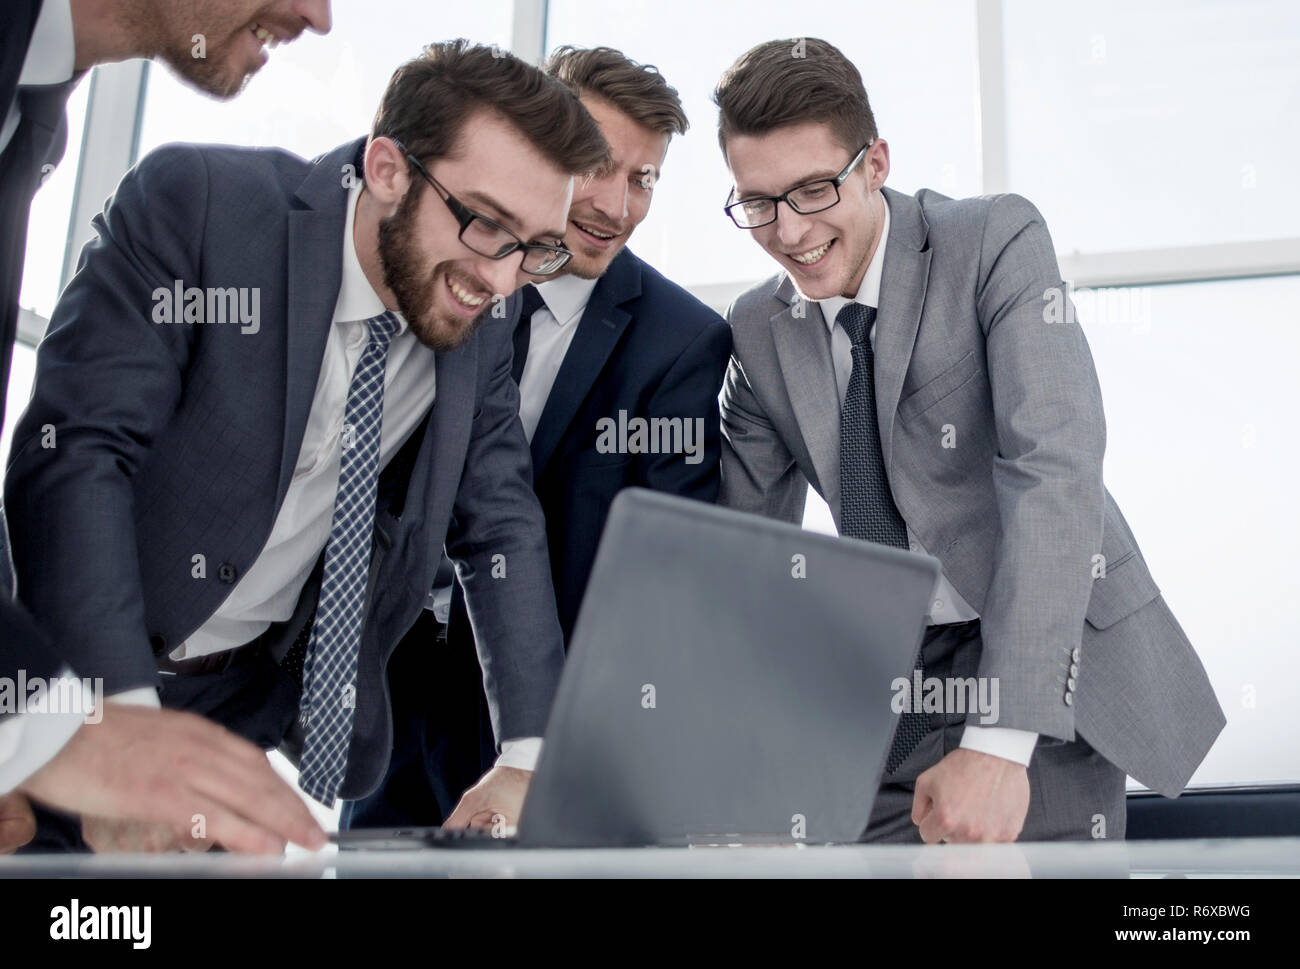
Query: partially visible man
{"type": "Point", "coordinates": [612, 345]}
{"type": "Point", "coordinates": [46, 47]}
{"type": "Point", "coordinates": [273, 391]}
{"type": "Point", "coordinates": [913, 360]}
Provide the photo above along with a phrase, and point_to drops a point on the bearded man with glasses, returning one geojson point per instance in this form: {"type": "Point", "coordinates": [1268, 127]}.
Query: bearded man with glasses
{"type": "Point", "coordinates": [241, 517]}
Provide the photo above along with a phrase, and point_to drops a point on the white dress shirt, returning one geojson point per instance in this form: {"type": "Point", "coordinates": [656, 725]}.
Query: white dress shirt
{"type": "Point", "coordinates": [553, 325]}
{"type": "Point", "coordinates": [268, 592]}
{"type": "Point", "coordinates": [29, 741]}
{"type": "Point", "coordinates": [946, 604]}
{"type": "Point", "coordinates": [51, 56]}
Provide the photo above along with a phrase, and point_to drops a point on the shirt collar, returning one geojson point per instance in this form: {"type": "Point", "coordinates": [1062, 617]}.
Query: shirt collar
{"type": "Point", "coordinates": [869, 290]}
{"type": "Point", "coordinates": [566, 297]}
{"type": "Point", "coordinates": [52, 53]}
{"type": "Point", "coordinates": [357, 298]}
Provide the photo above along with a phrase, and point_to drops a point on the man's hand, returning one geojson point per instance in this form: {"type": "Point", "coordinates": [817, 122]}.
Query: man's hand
{"type": "Point", "coordinates": [17, 823]}
{"type": "Point", "coordinates": [971, 796]}
{"type": "Point", "coordinates": [178, 771]}
{"type": "Point", "coordinates": [494, 802]}
{"type": "Point", "coordinates": [112, 834]}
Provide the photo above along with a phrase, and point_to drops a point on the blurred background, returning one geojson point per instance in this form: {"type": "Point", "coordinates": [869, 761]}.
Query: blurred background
{"type": "Point", "coordinates": [1159, 139]}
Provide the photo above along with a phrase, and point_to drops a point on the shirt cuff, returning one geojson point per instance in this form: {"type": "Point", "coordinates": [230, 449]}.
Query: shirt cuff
{"type": "Point", "coordinates": [30, 739]}
{"type": "Point", "coordinates": [140, 696]}
{"type": "Point", "coordinates": [521, 753]}
{"type": "Point", "coordinates": [1004, 742]}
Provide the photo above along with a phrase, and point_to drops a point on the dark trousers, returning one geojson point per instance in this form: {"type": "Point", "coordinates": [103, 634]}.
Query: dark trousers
{"type": "Point", "coordinates": [252, 697]}
{"type": "Point", "coordinates": [442, 738]}
{"type": "Point", "coordinates": [1074, 792]}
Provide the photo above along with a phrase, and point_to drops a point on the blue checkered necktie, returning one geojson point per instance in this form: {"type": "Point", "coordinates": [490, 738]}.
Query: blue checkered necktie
{"type": "Point", "coordinates": [867, 508]}
{"type": "Point", "coordinates": [329, 679]}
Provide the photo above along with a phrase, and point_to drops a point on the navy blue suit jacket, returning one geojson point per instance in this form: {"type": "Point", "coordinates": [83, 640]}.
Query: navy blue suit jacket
{"type": "Point", "coordinates": [645, 347]}
{"type": "Point", "coordinates": [174, 440]}
{"type": "Point", "coordinates": [38, 141]}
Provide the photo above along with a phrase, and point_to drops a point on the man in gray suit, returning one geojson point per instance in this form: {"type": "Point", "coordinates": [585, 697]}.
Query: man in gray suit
{"type": "Point", "coordinates": [916, 361]}
{"type": "Point", "coordinates": [272, 391]}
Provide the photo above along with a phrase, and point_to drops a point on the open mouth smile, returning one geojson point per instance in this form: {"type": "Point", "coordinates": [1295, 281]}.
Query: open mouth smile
{"type": "Point", "coordinates": [813, 256]}
{"type": "Point", "coordinates": [597, 236]}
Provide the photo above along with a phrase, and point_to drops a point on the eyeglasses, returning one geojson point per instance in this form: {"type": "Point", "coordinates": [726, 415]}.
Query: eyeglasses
{"type": "Point", "coordinates": [805, 199]}
{"type": "Point", "coordinates": [480, 234]}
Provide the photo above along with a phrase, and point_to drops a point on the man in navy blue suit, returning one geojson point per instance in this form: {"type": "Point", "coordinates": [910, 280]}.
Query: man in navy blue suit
{"type": "Point", "coordinates": [46, 47]}
{"type": "Point", "coordinates": [619, 371]}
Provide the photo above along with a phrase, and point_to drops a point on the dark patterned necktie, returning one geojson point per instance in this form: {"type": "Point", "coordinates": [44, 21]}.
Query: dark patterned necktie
{"type": "Point", "coordinates": [329, 693]}
{"type": "Point", "coordinates": [867, 508]}
{"type": "Point", "coordinates": [523, 329]}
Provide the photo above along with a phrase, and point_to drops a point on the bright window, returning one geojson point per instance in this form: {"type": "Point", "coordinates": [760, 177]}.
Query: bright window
{"type": "Point", "coordinates": [927, 111]}
{"type": "Point", "coordinates": [1146, 125]}
{"type": "Point", "coordinates": [319, 92]}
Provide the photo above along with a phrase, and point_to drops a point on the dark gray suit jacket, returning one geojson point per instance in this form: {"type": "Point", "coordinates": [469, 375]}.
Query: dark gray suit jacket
{"type": "Point", "coordinates": [992, 432]}
{"type": "Point", "coordinates": [38, 141]}
{"type": "Point", "coordinates": [176, 440]}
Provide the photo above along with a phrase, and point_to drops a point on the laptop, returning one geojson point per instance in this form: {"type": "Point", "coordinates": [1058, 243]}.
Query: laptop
{"type": "Point", "coordinates": [729, 681]}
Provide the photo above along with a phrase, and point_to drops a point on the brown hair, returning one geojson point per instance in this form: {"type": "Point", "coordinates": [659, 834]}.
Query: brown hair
{"type": "Point", "coordinates": [429, 99]}
{"type": "Point", "coordinates": [638, 90]}
{"type": "Point", "coordinates": [785, 82]}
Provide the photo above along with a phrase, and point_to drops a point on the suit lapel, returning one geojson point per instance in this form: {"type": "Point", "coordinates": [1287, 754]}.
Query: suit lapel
{"type": "Point", "coordinates": [803, 350]}
{"type": "Point", "coordinates": [452, 418]}
{"type": "Point", "coordinates": [315, 273]}
{"type": "Point", "coordinates": [451, 423]}
{"type": "Point", "coordinates": [799, 333]}
{"type": "Point", "coordinates": [599, 330]}
{"type": "Point", "coordinates": [902, 295]}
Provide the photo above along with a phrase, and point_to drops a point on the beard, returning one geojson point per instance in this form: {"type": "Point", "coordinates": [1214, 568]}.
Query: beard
{"type": "Point", "coordinates": [588, 262]}
{"type": "Point", "coordinates": [208, 75]}
{"type": "Point", "coordinates": [589, 266]}
{"type": "Point", "coordinates": [413, 287]}
{"type": "Point", "coordinates": [170, 32]}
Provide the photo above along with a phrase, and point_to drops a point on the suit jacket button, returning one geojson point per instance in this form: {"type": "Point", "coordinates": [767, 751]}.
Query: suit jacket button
{"type": "Point", "coordinates": [1074, 670]}
{"type": "Point", "coordinates": [1074, 654]}
{"type": "Point", "coordinates": [227, 573]}
{"type": "Point", "coordinates": [1070, 683]}
{"type": "Point", "coordinates": [158, 644]}
{"type": "Point", "coordinates": [1069, 698]}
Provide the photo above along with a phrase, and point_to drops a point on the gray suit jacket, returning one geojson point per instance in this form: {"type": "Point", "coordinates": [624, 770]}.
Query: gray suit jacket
{"type": "Point", "coordinates": [992, 432]}
{"type": "Point", "coordinates": [175, 440]}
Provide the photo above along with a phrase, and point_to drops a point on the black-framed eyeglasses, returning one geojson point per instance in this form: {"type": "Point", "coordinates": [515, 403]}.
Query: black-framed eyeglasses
{"type": "Point", "coordinates": [482, 235]}
{"type": "Point", "coordinates": [810, 197]}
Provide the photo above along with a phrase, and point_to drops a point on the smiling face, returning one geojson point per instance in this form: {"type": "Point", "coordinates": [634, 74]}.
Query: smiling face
{"type": "Point", "coordinates": [235, 36]}
{"type": "Point", "coordinates": [609, 205]}
{"type": "Point", "coordinates": [408, 240]}
{"type": "Point", "coordinates": [827, 253]}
